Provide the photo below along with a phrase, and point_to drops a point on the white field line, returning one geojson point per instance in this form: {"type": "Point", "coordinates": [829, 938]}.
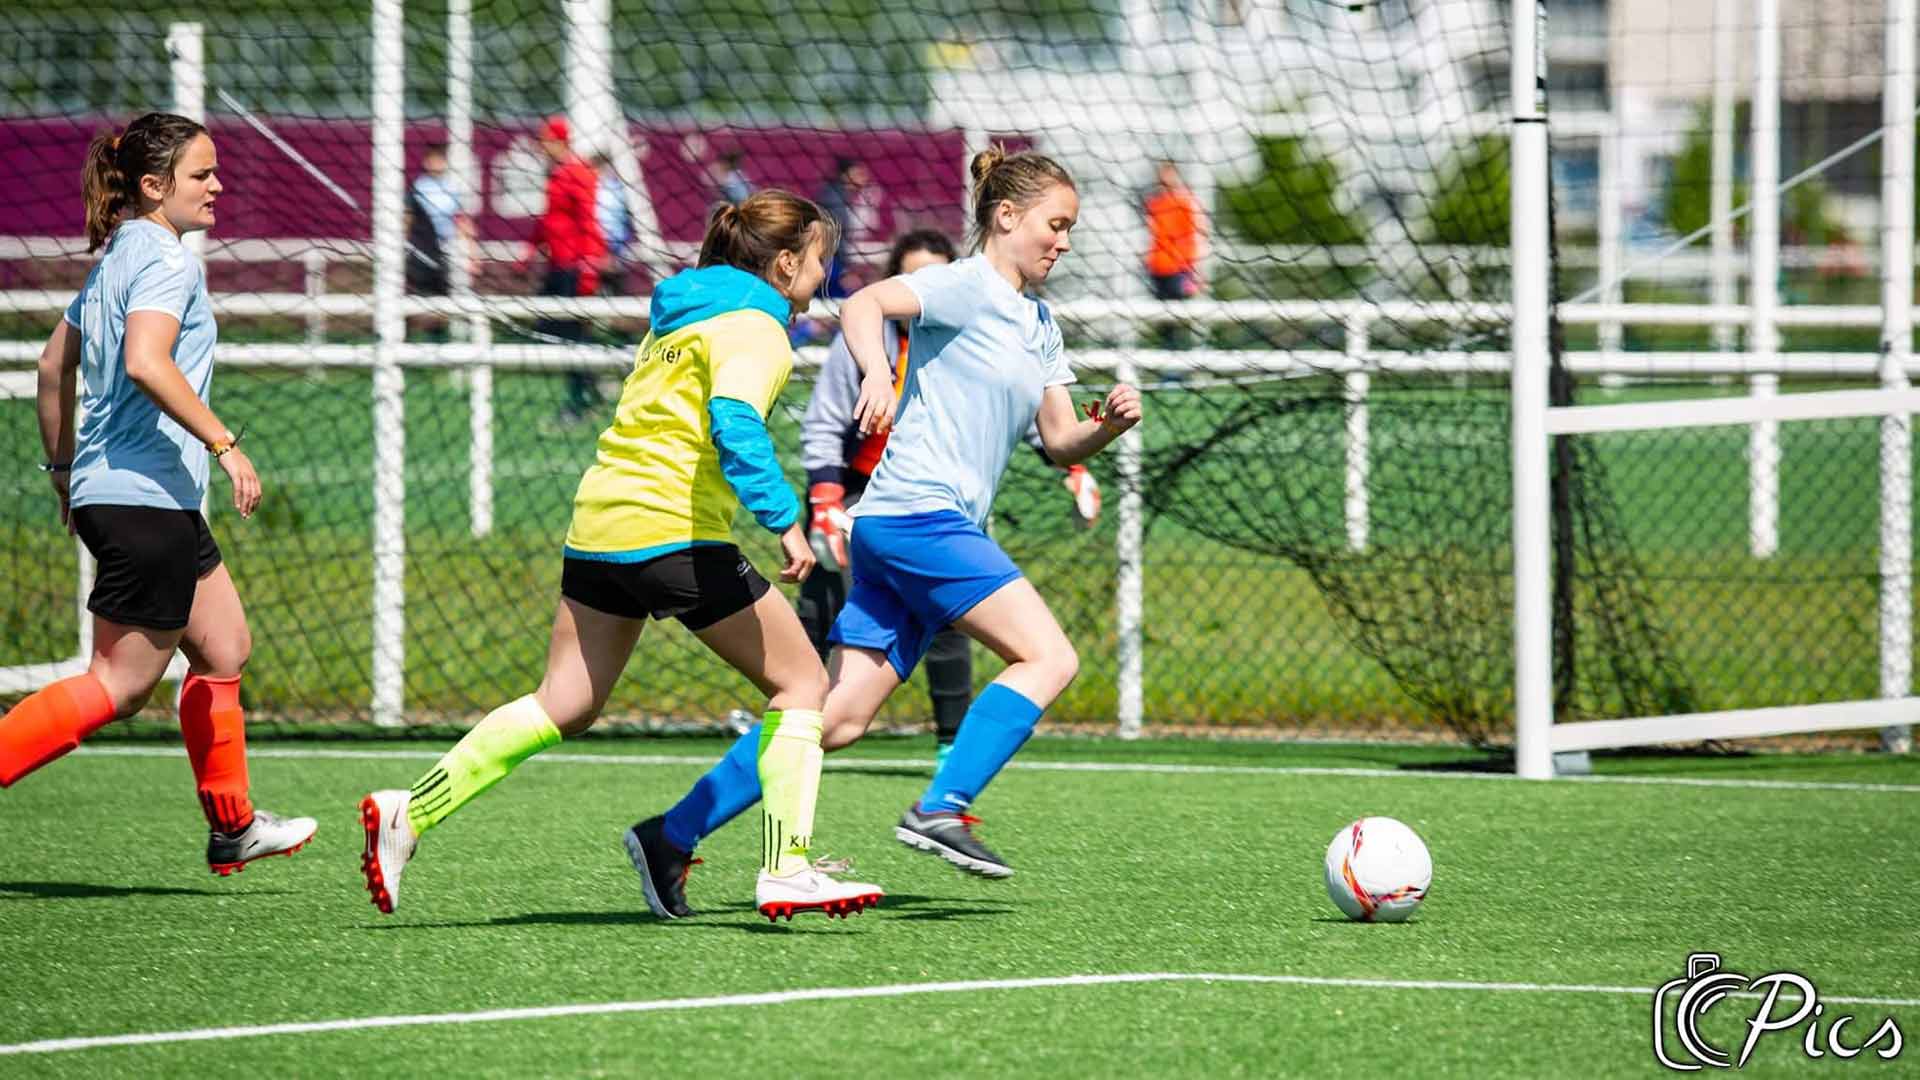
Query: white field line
{"type": "Point", "coordinates": [781, 997]}
{"type": "Point", "coordinates": [879, 764]}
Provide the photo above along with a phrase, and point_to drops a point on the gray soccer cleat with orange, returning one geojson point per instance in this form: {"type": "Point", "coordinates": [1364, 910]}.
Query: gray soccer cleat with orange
{"type": "Point", "coordinates": [950, 836]}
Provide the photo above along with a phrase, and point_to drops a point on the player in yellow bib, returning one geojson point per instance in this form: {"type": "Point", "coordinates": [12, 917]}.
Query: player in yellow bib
{"type": "Point", "coordinates": [652, 538]}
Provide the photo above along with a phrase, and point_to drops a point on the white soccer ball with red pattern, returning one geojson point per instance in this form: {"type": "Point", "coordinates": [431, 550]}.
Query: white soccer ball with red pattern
{"type": "Point", "coordinates": [1378, 870]}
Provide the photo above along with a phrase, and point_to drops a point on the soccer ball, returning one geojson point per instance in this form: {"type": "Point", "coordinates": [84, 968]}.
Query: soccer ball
{"type": "Point", "coordinates": [1378, 870]}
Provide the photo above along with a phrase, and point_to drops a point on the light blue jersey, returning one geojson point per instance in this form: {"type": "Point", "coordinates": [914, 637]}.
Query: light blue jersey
{"type": "Point", "coordinates": [441, 203]}
{"type": "Point", "coordinates": [126, 451]}
{"type": "Point", "coordinates": [979, 358]}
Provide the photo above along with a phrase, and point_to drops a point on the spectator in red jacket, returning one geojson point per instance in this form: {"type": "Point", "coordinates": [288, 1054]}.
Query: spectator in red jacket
{"type": "Point", "coordinates": [568, 237]}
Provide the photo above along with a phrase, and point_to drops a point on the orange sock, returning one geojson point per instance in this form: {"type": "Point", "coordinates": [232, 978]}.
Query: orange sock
{"type": "Point", "coordinates": [216, 733]}
{"type": "Point", "coordinates": [50, 722]}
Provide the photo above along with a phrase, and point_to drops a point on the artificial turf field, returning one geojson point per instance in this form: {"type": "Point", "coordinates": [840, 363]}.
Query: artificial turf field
{"type": "Point", "coordinates": [1556, 907]}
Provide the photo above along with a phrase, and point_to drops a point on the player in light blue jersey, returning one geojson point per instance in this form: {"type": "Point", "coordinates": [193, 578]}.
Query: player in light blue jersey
{"type": "Point", "coordinates": [984, 361]}
{"type": "Point", "coordinates": [136, 350]}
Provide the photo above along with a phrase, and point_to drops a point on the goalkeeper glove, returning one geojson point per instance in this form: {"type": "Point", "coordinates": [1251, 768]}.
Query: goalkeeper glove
{"type": "Point", "coordinates": [827, 531]}
{"type": "Point", "coordinates": [1086, 493]}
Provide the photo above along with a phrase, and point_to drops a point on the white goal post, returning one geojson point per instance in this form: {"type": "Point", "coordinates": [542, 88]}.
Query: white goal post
{"type": "Point", "coordinates": [1537, 737]}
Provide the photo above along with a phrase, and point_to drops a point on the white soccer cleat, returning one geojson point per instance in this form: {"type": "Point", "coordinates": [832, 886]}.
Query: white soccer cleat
{"type": "Point", "coordinates": [813, 890]}
{"type": "Point", "coordinates": [268, 834]}
{"type": "Point", "coordinates": [390, 843]}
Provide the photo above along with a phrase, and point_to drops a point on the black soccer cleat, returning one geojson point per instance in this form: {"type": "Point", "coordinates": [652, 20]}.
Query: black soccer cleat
{"type": "Point", "coordinates": [662, 867]}
{"type": "Point", "coordinates": [950, 836]}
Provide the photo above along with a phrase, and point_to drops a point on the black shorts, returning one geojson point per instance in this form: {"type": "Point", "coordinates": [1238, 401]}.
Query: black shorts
{"type": "Point", "coordinates": [699, 585]}
{"type": "Point", "coordinates": [1172, 286]}
{"type": "Point", "coordinates": [149, 559]}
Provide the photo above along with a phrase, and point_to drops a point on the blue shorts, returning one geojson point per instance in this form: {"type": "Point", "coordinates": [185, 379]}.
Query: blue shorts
{"type": "Point", "coordinates": [913, 575]}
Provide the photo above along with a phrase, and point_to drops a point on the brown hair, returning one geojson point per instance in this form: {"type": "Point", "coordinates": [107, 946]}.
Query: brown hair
{"type": "Point", "coordinates": [749, 235]}
{"type": "Point", "coordinates": [928, 240]}
{"type": "Point", "coordinates": [110, 180]}
{"type": "Point", "coordinates": [1021, 179]}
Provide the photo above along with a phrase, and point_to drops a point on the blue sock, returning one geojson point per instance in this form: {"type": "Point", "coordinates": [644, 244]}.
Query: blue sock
{"type": "Point", "coordinates": [718, 797]}
{"type": "Point", "coordinates": [998, 722]}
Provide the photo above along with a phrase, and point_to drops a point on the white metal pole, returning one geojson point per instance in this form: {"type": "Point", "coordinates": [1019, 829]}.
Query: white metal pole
{"type": "Point", "coordinates": [389, 381]}
{"type": "Point", "coordinates": [460, 164]}
{"type": "Point", "coordinates": [592, 110]}
{"type": "Point", "coordinates": [1532, 556]}
{"type": "Point", "coordinates": [1210, 111]}
{"type": "Point", "coordinates": [1720, 196]}
{"type": "Point", "coordinates": [186, 52]}
{"type": "Point", "coordinates": [1140, 23]}
{"type": "Point", "coordinates": [315, 282]}
{"type": "Point", "coordinates": [1533, 617]}
{"type": "Point", "coordinates": [1763, 337]}
{"type": "Point", "coordinates": [1896, 430]}
{"type": "Point", "coordinates": [1130, 588]}
{"type": "Point", "coordinates": [599, 125]}
{"type": "Point", "coordinates": [1359, 451]}
{"type": "Point", "coordinates": [1611, 332]}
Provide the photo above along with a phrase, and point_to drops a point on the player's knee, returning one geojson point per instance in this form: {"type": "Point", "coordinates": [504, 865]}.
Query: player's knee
{"type": "Point", "coordinates": [1062, 664]}
{"type": "Point", "coordinates": [127, 703]}
{"type": "Point", "coordinates": [225, 656]}
{"type": "Point", "coordinates": [574, 720]}
{"type": "Point", "coordinates": [128, 696]}
{"type": "Point", "coordinates": [805, 687]}
{"type": "Point", "coordinates": [814, 685]}
{"type": "Point", "coordinates": [842, 729]}
{"type": "Point", "coordinates": [572, 713]}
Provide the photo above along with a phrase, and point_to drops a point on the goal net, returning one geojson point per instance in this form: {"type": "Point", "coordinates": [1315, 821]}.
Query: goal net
{"type": "Point", "coordinates": [1322, 537]}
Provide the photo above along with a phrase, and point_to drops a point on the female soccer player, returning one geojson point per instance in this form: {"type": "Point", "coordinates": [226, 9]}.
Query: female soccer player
{"type": "Point", "coordinates": [985, 361]}
{"type": "Point", "coordinates": [840, 460]}
{"type": "Point", "coordinates": [651, 537]}
{"type": "Point", "coordinates": [131, 478]}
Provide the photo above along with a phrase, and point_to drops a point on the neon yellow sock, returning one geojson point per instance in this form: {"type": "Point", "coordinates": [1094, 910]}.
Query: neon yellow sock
{"type": "Point", "coordinates": [789, 783]}
{"type": "Point", "coordinates": [507, 736]}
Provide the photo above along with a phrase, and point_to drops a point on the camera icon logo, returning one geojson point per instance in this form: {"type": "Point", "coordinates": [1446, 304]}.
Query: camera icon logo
{"type": "Point", "coordinates": [1682, 1002]}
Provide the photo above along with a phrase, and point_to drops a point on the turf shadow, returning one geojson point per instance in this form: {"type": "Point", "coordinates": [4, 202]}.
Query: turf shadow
{"type": "Point", "coordinates": [81, 890]}
{"type": "Point", "coordinates": [948, 908]}
{"type": "Point", "coordinates": [939, 908]}
{"type": "Point", "coordinates": [1471, 765]}
{"type": "Point", "coordinates": [855, 768]}
{"type": "Point", "coordinates": [1358, 923]}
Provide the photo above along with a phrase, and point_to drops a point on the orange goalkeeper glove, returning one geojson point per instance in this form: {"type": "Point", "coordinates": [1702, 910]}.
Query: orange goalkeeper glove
{"type": "Point", "coordinates": [1086, 493]}
{"type": "Point", "coordinates": [828, 528]}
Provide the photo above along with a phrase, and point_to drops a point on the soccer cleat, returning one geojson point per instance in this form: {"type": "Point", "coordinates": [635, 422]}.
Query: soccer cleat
{"type": "Point", "coordinates": [662, 867]}
{"type": "Point", "coordinates": [390, 843]}
{"type": "Point", "coordinates": [940, 755]}
{"type": "Point", "coordinates": [268, 834]}
{"type": "Point", "coordinates": [950, 836]}
{"type": "Point", "coordinates": [740, 721]}
{"type": "Point", "coordinates": [813, 890]}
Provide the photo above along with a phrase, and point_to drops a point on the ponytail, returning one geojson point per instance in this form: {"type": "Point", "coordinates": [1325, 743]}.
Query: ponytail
{"type": "Point", "coordinates": [105, 189]}
{"type": "Point", "coordinates": [748, 235]}
{"type": "Point", "coordinates": [1022, 178]}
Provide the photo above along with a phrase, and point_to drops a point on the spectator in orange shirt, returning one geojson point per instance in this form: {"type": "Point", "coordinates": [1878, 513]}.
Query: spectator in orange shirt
{"type": "Point", "coordinates": [1177, 232]}
{"type": "Point", "coordinates": [568, 236]}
